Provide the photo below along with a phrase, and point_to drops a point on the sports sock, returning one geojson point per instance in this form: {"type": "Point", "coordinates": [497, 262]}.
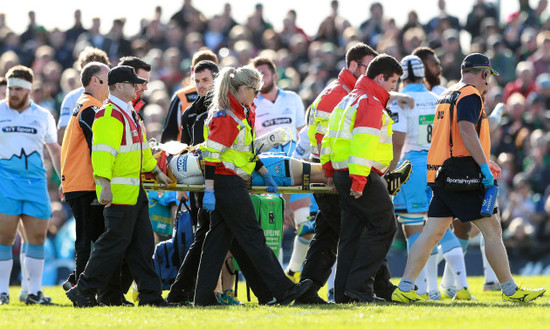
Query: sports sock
{"type": "Point", "coordinates": [448, 279]}
{"type": "Point", "coordinates": [34, 261]}
{"type": "Point", "coordinates": [490, 275]}
{"type": "Point", "coordinates": [509, 287]}
{"type": "Point", "coordinates": [406, 284]}
{"type": "Point", "coordinates": [421, 280]}
{"type": "Point", "coordinates": [6, 264]}
{"type": "Point", "coordinates": [24, 275]}
{"type": "Point", "coordinates": [431, 271]}
{"type": "Point", "coordinates": [299, 252]}
{"type": "Point", "coordinates": [463, 244]}
{"type": "Point", "coordinates": [455, 259]}
{"type": "Point", "coordinates": [330, 282]}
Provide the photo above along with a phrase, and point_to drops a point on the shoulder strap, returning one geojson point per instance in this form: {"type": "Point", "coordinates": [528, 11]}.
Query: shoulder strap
{"type": "Point", "coordinates": [452, 104]}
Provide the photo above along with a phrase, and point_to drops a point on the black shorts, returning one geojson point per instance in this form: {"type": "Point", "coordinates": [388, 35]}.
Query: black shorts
{"type": "Point", "coordinates": [465, 206]}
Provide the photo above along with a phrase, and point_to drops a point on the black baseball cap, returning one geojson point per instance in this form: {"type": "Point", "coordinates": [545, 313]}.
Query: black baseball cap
{"type": "Point", "coordinates": [477, 60]}
{"type": "Point", "coordinates": [123, 73]}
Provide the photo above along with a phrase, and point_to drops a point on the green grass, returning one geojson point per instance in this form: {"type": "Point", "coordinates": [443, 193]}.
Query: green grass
{"type": "Point", "coordinates": [488, 312]}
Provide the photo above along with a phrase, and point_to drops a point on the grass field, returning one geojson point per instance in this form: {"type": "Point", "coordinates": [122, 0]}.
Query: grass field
{"type": "Point", "coordinates": [488, 312]}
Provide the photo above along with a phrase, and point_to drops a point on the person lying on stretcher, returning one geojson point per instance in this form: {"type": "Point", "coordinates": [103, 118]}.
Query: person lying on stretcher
{"type": "Point", "coordinates": [186, 165]}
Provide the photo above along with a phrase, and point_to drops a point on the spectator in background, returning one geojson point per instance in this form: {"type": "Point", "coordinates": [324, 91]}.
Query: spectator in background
{"type": "Point", "coordinates": [373, 28]}
{"type": "Point", "coordinates": [88, 55]}
{"type": "Point", "coordinates": [479, 12]}
{"type": "Point", "coordinates": [541, 57]}
{"type": "Point", "coordinates": [443, 19]}
{"type": "Point", "coordinates": [72, 34]}
{"type": "Point", "coordinates": [524, 82]}
{"type": "Point", "coordinates": [92, 38]}
{"type": "Point", "coordinates": [115, 44]}
{"type": "Point", "coordinates": [543, 81]}
{"type": "Point", "coordinates": [528, 44]}
{"type": "Point", "coordinates": [449, 54]}
{"type": "Point", "coordinates": [502, 59]}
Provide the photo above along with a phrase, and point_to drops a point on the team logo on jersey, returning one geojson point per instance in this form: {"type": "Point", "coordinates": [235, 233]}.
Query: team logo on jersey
{"type": "Point", "coordinates": [191, 97]}
{"type": "Point", "coordinates": [276, 121]}
{"type": "Point", "coordinates": [19, 129]}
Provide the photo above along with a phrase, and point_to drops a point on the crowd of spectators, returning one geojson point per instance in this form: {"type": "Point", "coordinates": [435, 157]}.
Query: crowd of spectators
{"type": "Point", "coordinates": [518, 45]}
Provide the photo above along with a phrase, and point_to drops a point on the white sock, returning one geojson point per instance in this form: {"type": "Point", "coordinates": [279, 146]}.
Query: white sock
{"type": "Point", "coordinates": [488, 272]}
{"type": "Point", "coordinates": [421, 282]}
{"type": "Point", "coordinates": [35, 267]}
{"type": "Point", "coordinates": [24, 276]}
{"type": "Point", "coordinates": [431, 272]}
{"type": "Point", "coordinates": [330, 282]}
{"type": "Point", "coordinates": [448, 279]}
{"type": "Point", "coordinates": [5, 271]}
{"type": "Point", "coordinates": [299, 252]}
{"type": "Point", "coordinates": [455, 259]}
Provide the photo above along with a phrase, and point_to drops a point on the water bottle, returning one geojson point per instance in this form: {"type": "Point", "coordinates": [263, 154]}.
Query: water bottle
{"type": "Point", "coordinates": [489, 200]}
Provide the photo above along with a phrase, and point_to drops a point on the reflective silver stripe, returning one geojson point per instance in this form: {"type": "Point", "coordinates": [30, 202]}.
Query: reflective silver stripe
{"type": "Point", "coordinates": [340, 165]}
{"type": "Point", "coordinates": [129, 148]}
{"type": "Point", "coordinates": [322, 129]}
{"type": "Point", "coordinates": [322, 114]}
{"type": "Point", "coordinates": [366, 130]}
{"type": "Point", "coordinates": [340, 134]}
{"type": "Point", "coordinates": [385, 140]}
{"type": "Point", "coordinates": [125, 181]}
{"type": "Point", "coordinates": [242, 148]}
{"type": "Point", "coordinates": [326, 150]}
{"type": "Point", "coordinates": [215, 145]}
{"type": "Point", "coordinates": [144, 145]}
{"type": "Point", "coordinates": [378, 166]}
{"type": "Point", "coordinates": [234, 116]}
{"type": "Point", "coordinates": [346, 88]}
{"type": "Point", "coordinates": [212, 155]}
{"type": "Point", "coordinates": [240, 137]}
{"type": "Point", "coordinates": [229, 165]}
{"type": "Point", "coordinates": [361, 161]}
{"type": "Point", "coordinates": [105, 148]}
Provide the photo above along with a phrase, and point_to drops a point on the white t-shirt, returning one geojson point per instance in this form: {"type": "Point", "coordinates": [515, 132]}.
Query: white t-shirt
{"type": "Point", "coordinates": [438, 90]}
{"type": "Point", "coordinates": [22, 139]}
{"type": "Point", "coordinates": [417, 123]}
{"type": "Point", "coordinates": [287, 111]}
{"type": "Point", "coordinates": [67, 107]}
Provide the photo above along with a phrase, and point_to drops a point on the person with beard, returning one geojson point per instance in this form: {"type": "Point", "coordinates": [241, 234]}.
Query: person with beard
{"type": "Point", "coordinates": [432, 69]}
{"type": "Point", "coordinates": [457, 135]}
{"type": "Point", "coordinates": [26, 129]}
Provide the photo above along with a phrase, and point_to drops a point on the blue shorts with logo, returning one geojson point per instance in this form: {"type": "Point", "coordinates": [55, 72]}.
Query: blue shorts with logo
{"type": "Point", "coordinates": [415, 195]}
{"type": "Point", "coordinates": [278, 167]}
{"type": "Point", "coordinates": [25, 197]}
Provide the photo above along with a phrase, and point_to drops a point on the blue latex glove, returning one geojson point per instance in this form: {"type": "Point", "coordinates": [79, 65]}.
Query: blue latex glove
{"type": "Point", "coordinates": [488, 179]}
{"type": "Point", "coordinates": [270, 182]}
{"type": "Point", "coordinates": [209, 201]}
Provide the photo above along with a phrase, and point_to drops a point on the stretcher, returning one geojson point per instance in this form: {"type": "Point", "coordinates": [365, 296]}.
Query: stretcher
{"type": "Point", "coordinates": [254, 189]}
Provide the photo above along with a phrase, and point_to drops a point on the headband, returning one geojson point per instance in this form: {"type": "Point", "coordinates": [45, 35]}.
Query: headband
{"type": "Point", "coordinates": [17, 82]}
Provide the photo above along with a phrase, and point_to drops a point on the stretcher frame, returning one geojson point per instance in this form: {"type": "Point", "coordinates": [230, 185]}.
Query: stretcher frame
{"type": "Point", "coordinates": [254, 189]}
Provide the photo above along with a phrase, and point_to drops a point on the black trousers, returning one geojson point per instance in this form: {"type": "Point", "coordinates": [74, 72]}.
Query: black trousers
{"type": "Point", "coordinates": [234, 219]}
{"type": "Point", "coordinates": [89, 224]}
{"type": "Point", "coordinates": [366, 235]}
{"type": "Point", "coordinates": [184, 284]}
{"type": "Point", "coordinates": [321, 254]}
{"type": "Point", "coordinates": [129, 235]}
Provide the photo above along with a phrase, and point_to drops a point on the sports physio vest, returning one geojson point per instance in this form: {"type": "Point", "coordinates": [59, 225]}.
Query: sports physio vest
{"type": "Point", "coordinates": [76, 163]}
{"type": "Point", "coordinates": [440, 148]}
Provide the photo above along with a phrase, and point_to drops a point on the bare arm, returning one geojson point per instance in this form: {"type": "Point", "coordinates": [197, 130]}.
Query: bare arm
{"type": "Point", "coordinates": [60, 135]}
{"type": "Point", "coordinates": [471, 141]}
{"type": "Point", "coordinates": [398, 140]}
{"type": "Point", "coordinates": [402, 100]}
{"type": "Point", "coordinates": [55, 153]}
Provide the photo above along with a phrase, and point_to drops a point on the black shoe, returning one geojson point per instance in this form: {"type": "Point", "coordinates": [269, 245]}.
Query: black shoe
{"type": "Point", "coordinates": [81, 300]}
{"type": "Point", "coordinates": [158, 303]}
{"type": "Point", "coordinates": [39, 299]}
{"type": "Point", "coordinates": [310, 297]}
{"type": "Point", "coordinates": [295, 292]}
{"type": "Point", "coordinates": [183, 298]}
{"type": "Point", "coordinates": [121, 302]}
{"type": "Point", "coordinates": [363, 297]}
